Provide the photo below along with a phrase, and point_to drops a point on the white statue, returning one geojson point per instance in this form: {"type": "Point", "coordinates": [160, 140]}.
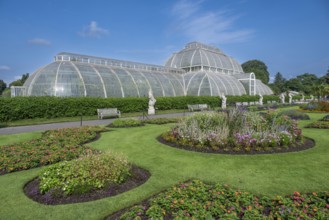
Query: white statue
{"type": "Point", "coordinates": [290, 98]}
{"type": "Point", "coordinates": [260, 99]}
{"type": "Point", "coordinates": [303, 98]}
{"type": "Point", "coordinates": [312, 97]}
{"type": "Point", "coordinates": [152, 100]}
{"type": "Point", "coordinates": [282, 98]}
{"type": "Point", "coordinates": [223, 101]}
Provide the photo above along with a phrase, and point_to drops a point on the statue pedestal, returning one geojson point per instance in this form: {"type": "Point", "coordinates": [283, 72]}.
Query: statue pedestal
{"type": "Point", "coordinates": [151, 111]}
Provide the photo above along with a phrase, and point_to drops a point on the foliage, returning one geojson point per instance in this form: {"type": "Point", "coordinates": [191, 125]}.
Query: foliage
{"type": "Point", "coordinates": [322, 106]}
{"type": "Point", "coordinates": [325, 118]}
{"type": "Point", "coordinates": [19, 108]}
{"type": "Point", "coordinates": [238, 130]}
{"type": "Point", "coordinates": [160, 121]}
{"type": "Point", "coordinates": [259, 68]}
{"type": "Point", "coordinates": [125, 123]}
{"type": "Point", "coordinates": [318, 124]}
{"type": "Point", "coordinates": [52, 147]}
{"type": "Point", "coordinates": [3, 86]}
{"type": "Point", "coordinates": [198, 200]}
{"type": "Point", "coordinates": [295, 114]}
{"type": "Point", "coordinates": [21, 81]}
{"type": "Point", "coordinates": [84, 174]}
{"type": "Point", "coordinates": [278, 85]}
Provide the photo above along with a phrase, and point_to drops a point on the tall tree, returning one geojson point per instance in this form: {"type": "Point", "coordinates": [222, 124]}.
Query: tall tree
{"type": "Point", "coordinates": [21, 81]}
{"type": "Point", "coordinates": [308, 81]}
{"type": "Point", "coordinates": [259, 68]}
{"type": "Point", "coordinates": [3, 86]}
{"type": "Point", "coordinates": [279, 82]}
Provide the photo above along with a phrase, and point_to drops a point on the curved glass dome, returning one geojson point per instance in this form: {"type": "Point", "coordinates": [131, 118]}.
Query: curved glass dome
{"type": "Point", "coordinates": [205, 83]}
{"type": "Point", "coordinates": [197, 56]}
{"type": "Point", "coordinates": [197, 70]}
{"type": "Point", "coordinates": [74, 79]}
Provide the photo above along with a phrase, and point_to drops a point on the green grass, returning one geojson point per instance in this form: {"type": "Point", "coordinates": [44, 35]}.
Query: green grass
{"type": "Point", "coordinates": [277, 174]}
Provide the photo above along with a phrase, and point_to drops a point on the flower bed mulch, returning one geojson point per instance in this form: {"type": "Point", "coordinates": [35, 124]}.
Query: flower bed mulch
{"type": "Point", "coordinates": [307, 144]}
{"type": "Point", "coordinates": [137, 178]}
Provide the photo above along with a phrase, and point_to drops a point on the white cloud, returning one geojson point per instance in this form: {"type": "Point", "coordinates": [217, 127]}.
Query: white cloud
{"type": "Point", "coordinates": [39, 41]}
{"type": "Point", "coordinates": [93, 30]}
{"type": "Point", "coordinates": [4, 67]}
{"type": "Point", "coordinates": [207, 26]}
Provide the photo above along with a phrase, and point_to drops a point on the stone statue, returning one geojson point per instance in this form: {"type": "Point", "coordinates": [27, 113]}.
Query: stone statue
{"type": "Point", "coordinates": [152, 100]}
{"type": "Point", "coordinates": [223, 101]}
{"type": "Point", "coordinates": [282, 98]}
{"type": "Point", "coordinates": [260, 99]}
{"type": "Point", "coordinates": [290, 98]}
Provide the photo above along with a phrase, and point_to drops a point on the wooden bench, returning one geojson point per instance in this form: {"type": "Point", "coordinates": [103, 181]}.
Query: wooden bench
{"type": "Point", "coordinates": [108, 112]}
{"type": "Point", "coordinates": [197, 107]}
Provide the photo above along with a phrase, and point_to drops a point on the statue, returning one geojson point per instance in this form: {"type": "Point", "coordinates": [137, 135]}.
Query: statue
{"type": "Point", "coordinates": [282, 98]}
{"type": "Point", "coordinates": [312, 97]}
{"type": "Point", "coordinates": [152, 100]}
{"type": "Point", "coordinates": [290, 98]}
{"type": "Point", "coordinates": [303, 98]}
{"type": "Point", "coordinates": [223, 97]}
{"type": "Point", "coordinates": [260, 99]}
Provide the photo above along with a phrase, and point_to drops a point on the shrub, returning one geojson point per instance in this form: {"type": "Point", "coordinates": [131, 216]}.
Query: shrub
{"type": "Point", "coordinates": [197, 200]}
{"type": "Point", "coordinates": [296, 115]}
{"type": "Point", "coordinates": [125, 123]}
{"type": "Point", "coordinates": [239, 130]}
{"type": "Point", "coordinates": [52, 147]}
{"type": "Point", "coordinates": [325, 118]}
{"type": "Point", "coordinates": [160, 121]}
{"type": "Point", "coordinates": [84, 174]}
{"type": "Point", "coordinates": [318, 124]}
{"type": "Point", "coordinates": [322, 106]}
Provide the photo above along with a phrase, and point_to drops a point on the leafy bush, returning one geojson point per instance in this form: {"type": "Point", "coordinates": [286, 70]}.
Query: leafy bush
{"type": "Point", "coordinates": [318, 124]}
{"type": "Point", "coordinates": [52, 147]}
{"type": "Point", "coordinates": [197, 200]}
{"type": "Point", "coordinates": [238, 130]}
{"type": "Point", "coordinates": [322, 106]}
{"type": "Point", "coordinates": [325, 118]}
{"type": "Point", "coordinates": [18, 108]}
{"type": "Point", "coordinates": [84, 174]}
{"type": "Point", "coordinates": [160, 121]}
{"type": "Point", "coordinates": [125, 123]}
{"type": "Point", "coordinates": [296, 115]}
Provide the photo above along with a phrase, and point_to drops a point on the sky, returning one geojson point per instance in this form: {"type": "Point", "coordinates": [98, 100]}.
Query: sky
{"type": "Point", "coordinates": [289, 36]}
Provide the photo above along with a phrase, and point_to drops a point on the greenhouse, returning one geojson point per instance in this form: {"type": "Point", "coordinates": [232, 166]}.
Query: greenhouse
{"type": "Point", "coordinates": [197, 70]}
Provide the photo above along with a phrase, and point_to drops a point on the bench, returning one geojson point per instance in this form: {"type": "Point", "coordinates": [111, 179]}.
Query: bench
{"type": "Point", "coordinates": [108, 112]}
{"type": "Point", "coordinates": [197, 107]}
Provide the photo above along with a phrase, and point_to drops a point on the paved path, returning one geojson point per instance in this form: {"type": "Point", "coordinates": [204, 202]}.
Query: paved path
{"type": "Point", "coordinates": [29, 128]}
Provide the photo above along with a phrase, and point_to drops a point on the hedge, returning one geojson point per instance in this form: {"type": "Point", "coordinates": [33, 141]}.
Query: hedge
{"type": "Point", "coordinates": [18, 108]}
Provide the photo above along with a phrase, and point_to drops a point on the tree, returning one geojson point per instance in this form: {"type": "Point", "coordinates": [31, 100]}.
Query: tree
{"type": "Point", "coordinates": [308, 81]}
{"type": "Point", "coordinates": [3, 86]}
{"type": "Point", "coordinates": [279, 83]}
{"type": "Point", "coordinates": [21, 81]}
{"type": "Point", "coordinates": [259, 68]}
{"type": "Point", "coordinates": [294, 84]}
{"type": "Point", "coordinates": [325, 79]}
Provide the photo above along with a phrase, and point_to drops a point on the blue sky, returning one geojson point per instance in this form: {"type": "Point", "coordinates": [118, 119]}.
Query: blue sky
{"type": "Point", "coordinates": [290, 36]}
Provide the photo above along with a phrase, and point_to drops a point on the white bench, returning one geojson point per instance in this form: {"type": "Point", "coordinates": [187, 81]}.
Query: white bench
{"type": "Point", "coordinates": [197, 107]}
{"type": "Point", "coordinates": [108, 112]}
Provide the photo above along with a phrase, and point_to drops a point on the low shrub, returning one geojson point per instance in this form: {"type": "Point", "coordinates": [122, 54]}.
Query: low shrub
{"type": "Point", "coordinates": [160, 121]}
{"type": "Point", "coordinates": [84, 174]}
{"type": "Point", "coordinates": [52, 147]}
{"type": "Point", "coordinates": [318, 124]}
{"type": "Point", "coordinates": [197, 200]}
{"type": "Point", "coordinates": [296, 115]}
{"type": "Point", "coordinates": [325, 118]}
{"type": "Point", "coordinates": [321, 106]}
{"type": "Point", "coordinates": [126, 123]}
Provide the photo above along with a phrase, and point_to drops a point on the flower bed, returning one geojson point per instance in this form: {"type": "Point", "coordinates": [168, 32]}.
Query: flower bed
{"type": "Point", "coordinates": [160, 121]}
{"type": "Point", "coordinates": [197, 200]}
{"type": "Point", "coordinates": [52, 147]}
{"type": "Point", "coordinates": [322, 123]}
{"type": "Point", "coordinates": [84, 174]}
{"type": "Point", "coordinates": [235, 131]}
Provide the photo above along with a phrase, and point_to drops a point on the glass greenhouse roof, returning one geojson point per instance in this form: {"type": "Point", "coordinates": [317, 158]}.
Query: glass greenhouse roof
{"type": "Point", "coordinates": [203, 71]}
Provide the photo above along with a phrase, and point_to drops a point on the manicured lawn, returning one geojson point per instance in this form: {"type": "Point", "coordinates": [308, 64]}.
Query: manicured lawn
{"type": "Point", "coordinates": [277, 174]}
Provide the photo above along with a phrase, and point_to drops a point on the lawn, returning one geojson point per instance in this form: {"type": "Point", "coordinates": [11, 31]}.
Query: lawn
{"type": "Point", "coordinates": [276, 174]}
